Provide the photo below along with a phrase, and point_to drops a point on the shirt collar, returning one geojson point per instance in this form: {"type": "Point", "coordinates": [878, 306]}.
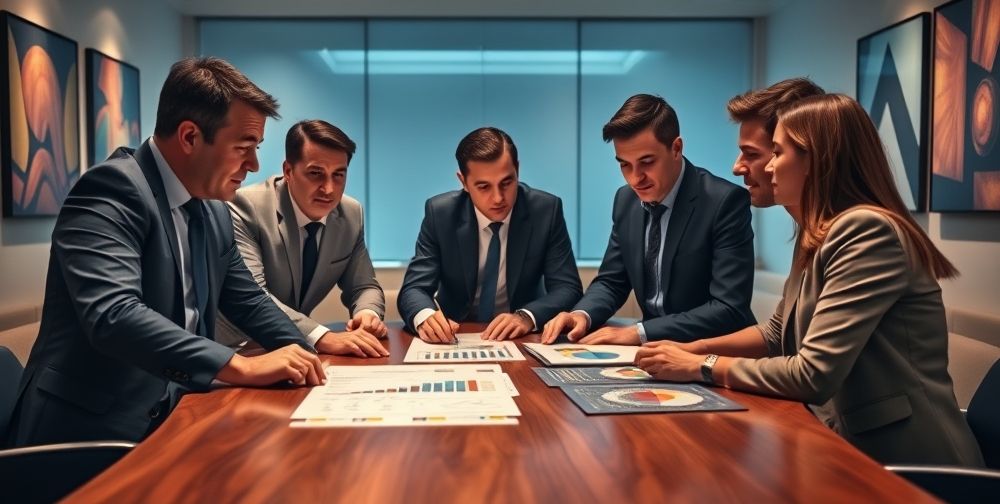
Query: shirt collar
{"type": "Point", "coordinates": [301, 219]}
{"type": "Point", "coordinates": [177, 194]}
{"type": "Point", "coordinates": [484, 222]}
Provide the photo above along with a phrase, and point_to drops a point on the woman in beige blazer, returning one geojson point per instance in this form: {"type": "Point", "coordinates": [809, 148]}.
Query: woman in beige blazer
{"type": "Point", "coordinates": [860, 333]}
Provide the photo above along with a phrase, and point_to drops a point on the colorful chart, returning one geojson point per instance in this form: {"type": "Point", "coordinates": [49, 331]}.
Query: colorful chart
{"type": "Point", "coordinates": [583, 353]}
{"type": "Point", "coordinates": [475, 352]}
{"type": "Point", "coordinates": [625, 373]}
{"type": "Point", "coordinates": [437, 386]}
{"type": "Point", "coordinates": [652, 397]}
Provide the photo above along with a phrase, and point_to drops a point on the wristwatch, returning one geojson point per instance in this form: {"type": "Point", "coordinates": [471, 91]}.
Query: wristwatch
{"type": "Point", "coordinates": [706, 369]}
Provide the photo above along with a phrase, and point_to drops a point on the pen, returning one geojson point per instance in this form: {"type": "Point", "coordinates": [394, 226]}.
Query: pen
{"type": "Point", "coordinates": [454, 337]}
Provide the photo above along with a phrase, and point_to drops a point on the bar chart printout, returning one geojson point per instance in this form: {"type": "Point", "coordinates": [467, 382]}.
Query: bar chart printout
{"type": "Point", "coordinates": [470, 348]}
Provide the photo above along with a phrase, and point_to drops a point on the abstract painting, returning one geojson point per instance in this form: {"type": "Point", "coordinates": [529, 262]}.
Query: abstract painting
{"type": "Point", "coordinates": [965, 160]}
{"type": "Point", "coordinates": [112, 105]}
{"type": "Point", "coordinates": [40, 118]}
{"type": "Point", "coordinates": [893, 81]}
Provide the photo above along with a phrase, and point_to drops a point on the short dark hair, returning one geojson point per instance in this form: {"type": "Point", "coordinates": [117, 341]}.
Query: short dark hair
{"type": "Point", "coordinates": [643, 111]}
{"type": "Point", "coordinates": [319, 132]}
{"type": "Point", "coordinates": [765, 104]}
{"type": "Point", "coordinates": [201, 90]}
{"type": "Point", "coordinates": [484, 144]}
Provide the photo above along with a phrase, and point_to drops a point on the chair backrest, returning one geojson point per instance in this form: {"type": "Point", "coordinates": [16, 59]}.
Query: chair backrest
{"type": "Point", "coordinates": [10, 377]}
{"type": "Point", "coordinates": [984, 416]}
{"type": "Point", "coordinates": [48, 473]}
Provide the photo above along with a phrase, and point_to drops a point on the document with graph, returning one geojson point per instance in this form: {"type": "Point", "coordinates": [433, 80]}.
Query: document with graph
{"type": "Point", "coordinates": [470, 348]}
{"type": "Point", "coordinates": [571, 354]}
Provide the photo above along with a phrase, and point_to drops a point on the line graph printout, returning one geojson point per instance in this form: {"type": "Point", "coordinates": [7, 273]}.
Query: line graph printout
{"type": "Point", "coordinates": [470, 348]}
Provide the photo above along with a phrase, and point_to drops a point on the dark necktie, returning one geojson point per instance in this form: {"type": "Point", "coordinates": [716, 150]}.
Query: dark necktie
{"type": "Point", "coordinates": [310, 254]}
{"type": "Point", "coordinates": [198, 258]}
{"type": "Point", "coordinates": [488, 289]}
{"type": "Point", "coordinates": [653, 250]}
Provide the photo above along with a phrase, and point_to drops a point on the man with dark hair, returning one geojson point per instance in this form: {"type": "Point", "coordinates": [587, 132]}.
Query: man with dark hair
{"type": "Point", "coordinates": [300, 236]}
{"type": "Point", "coordinates": [681, 239]}
{"type": "Point", "coordinates": [497, 251]}
{"type": "Point", "coordinates": [757, 113]}
{"type": "Point", "coordinates": [142, 258]}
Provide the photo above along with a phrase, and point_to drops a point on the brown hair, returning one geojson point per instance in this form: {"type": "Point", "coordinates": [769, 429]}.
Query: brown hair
{"type": "Point", "coordinates": [848, 168]}
{"type": "Point", "coordinates": [484, 144]}
{"type": "Point", "coordinates": [319, 132]}
{"type": "Point", "coordinates": [764, 104]}
{"type": "Point", "coordinates": [201, 90]}
{"type": "Point", "coordinates": [643, 111]}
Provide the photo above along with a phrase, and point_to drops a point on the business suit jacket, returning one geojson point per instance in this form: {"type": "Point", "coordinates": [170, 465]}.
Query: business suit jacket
{"type": "Point", "coordinates": [861, 331]}
{"type": "Point", "coordinates": [267, 235]}
{"type": "Point", "coordinates": [541, 272]}
{"type": "Point", "coordinates": [707, 261]}
{"type": "Point", "coordinates": [112, 355]}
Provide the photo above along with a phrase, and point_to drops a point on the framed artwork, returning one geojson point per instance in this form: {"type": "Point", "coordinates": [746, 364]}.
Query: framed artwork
{"type": "Point", "coordinates": [39, 118]}
{"type": "Point", "coordinates": [112, 105]}
{"type": "Point", "coordinates": [965, 158]}
{"type": "Point", "coordinates": [893, 79]}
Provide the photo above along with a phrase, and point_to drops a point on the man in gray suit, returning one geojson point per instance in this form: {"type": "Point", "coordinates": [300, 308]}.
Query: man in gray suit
{"type": "Point", "coordinates": [142, 257]}
{"type": "Point", "coordinates": [300, 236]}
{"type": "Point", "coordinates": [681, 240]}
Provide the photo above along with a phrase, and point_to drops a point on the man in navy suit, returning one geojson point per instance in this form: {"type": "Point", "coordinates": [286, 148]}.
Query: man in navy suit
{"type": "Point", "coordinates": [496, 251]}
{"type": "Point", "coordinates": [142, 257]}
{"type": "Point", "coordinates": [681, 239]}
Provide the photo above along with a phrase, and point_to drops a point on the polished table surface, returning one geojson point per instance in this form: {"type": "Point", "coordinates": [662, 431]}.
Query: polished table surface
{"type": "Point", "coordinates": [234, 445]}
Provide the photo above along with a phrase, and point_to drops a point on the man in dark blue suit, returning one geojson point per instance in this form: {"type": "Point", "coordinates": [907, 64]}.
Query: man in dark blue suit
{"type": "Point", "coordinates": [497, 251]}
{"type": "Point", "coordinates": [142, 257]}
{"type": "Point", "coordinates": [681, 239]}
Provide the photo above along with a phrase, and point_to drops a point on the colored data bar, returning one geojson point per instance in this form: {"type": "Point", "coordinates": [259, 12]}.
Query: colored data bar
{"type": "Point", "coordinates": [438, 386]}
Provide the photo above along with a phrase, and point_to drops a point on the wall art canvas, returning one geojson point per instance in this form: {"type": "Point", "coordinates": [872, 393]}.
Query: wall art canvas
{"type": "Point", "coordinates": [965, 157]}
{"type": "Point", "coordinates": [112, 105]}
{"type": "Point", "coordinates": [893, 77]}
{"type": "Point", "coordinates": [40, 118]}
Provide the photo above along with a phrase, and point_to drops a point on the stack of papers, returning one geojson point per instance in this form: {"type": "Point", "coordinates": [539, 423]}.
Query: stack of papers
{"type": "Point", "coordinates": [568, 354]}
{"type": "Point", "coordinates": [470, 348]}
{"type": "Point", "coordinates": [379, 396]}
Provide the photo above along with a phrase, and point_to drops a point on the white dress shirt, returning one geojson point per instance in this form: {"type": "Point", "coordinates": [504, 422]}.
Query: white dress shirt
{"type": "Point", "coordinates": [485, 235]}
{"type": "Point", "coordinates": [301, 219]}
{"type": "Point", "coordinates": [178, 195]}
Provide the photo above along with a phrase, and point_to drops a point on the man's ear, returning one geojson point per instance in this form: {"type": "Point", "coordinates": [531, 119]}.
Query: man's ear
{"type": "Point", "coordinates": [189, 136]}
{"type": "Point", "coordinates": [286, 169]}
{"type": "Point", "coordinates": [677, 148]}
{"type": "Point", "coordinates": [461, 180]}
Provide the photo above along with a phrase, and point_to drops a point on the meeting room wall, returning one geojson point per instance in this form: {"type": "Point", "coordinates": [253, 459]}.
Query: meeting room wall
{"type": "Point", "coordinates": [818, 38]}
{"type": "Point", "coordinates": [148, 35]}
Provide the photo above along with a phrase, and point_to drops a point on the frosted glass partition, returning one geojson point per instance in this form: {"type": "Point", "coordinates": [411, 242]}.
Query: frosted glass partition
{"type": "Point", "coordinates": [287, 58]}
{"type": "Point", "coordinates": [407, 90]}
{"type": "Point", "coordinates": [431, 82]}
{"type": "Point", "coordinates": [697, 66]}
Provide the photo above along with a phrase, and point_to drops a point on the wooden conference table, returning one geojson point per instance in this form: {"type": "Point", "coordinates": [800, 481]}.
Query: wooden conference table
{"type": "Point", "coordinates": [234, 445]}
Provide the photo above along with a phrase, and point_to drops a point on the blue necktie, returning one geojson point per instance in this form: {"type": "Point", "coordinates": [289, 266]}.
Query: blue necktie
{"type": "Point", "coordinates": [198, 257]}
{"type": "Point", "coordinates": [488, 289]}
{"type": "Point", "coordinates": [310, 255]}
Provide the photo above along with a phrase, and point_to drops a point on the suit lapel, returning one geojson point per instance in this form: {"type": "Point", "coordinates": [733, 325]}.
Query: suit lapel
{"type": "Point", "coordinates": [518, 238]}
{"type": "Point", "coordinates": [147, 163]}
{"type": "Point", "coordinates": [684, 206]}
{"type": "Point", "coordinates": [793, 288]}
{"type": "Point", "coordinates": [468, 246]}
{"type": "Point", "coordinates": [289, 230]}
{"type": "Point", "coordinates": [633, 231]}
{"type": "Point", "coordinates": [214, 250]}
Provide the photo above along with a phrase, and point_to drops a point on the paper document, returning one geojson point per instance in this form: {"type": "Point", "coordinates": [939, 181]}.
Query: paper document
{"type": "Point", "coordinates": [325, 403]}
{"type": "Point", "coordinates": [568, 354]}
{"type": "Point", "coordinates": [470, 348]}
{"type": "Point", "coordinates": [403, 421]}
{"type": "Point", "coordinates": [558, 377]}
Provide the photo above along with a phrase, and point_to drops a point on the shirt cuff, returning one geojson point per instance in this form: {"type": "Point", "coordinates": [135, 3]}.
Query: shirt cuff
{"type": "Point", "coordinates": [421, 316]}
{"type": "Point", "coordinates": [534, 323]}
{"type": "Point", "coordinates": [642, 333]}
{"type": "Point", "coordinates": [317, 333]}
{"type": "Point", "coordinates": [369, 310]}
{"type": "Point", "coordinates": [585, 314]}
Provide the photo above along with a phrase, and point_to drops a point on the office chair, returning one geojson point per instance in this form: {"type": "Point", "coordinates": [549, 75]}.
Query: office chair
{"type": "Point", "coordinates": [45, 473]}
{"type": "Point", "coordinates": [961, 484]}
